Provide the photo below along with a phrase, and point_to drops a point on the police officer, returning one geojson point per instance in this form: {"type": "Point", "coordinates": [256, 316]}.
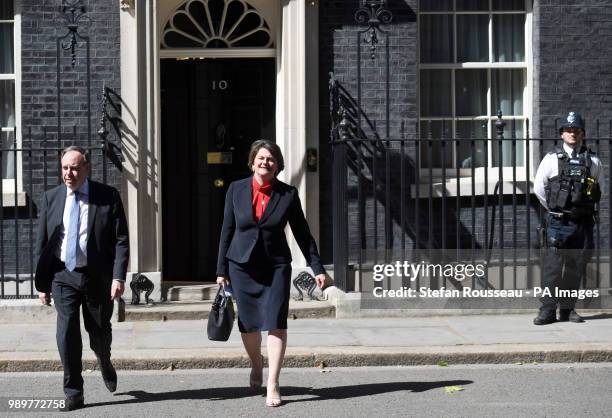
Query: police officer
{"type": "Point", "coordinates": [568, 184]}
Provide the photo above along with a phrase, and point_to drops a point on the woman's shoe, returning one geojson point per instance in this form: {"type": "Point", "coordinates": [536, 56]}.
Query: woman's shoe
{"type": "Point", "coordinates": [273, 400]}
{"type": "Point", "coordinates": [256, 378]}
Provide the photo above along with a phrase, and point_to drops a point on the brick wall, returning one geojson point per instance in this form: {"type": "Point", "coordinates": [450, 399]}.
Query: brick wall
{"type": "Point", "coordinates": [338, 40]}
{"type": "Point", "coordinates": [572, 54]}
{"type": "Point", "coordinates": [41, 25]}
{"type": "Point", "coordinates": [572, 47]}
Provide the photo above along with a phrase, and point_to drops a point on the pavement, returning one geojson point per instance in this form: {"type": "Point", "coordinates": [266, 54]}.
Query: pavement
{"type": "Point", "coordinates": [329, 342]}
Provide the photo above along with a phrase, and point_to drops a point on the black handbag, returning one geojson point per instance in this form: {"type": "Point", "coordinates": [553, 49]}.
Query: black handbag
{"type": "Point", "coordinates": [220, 317]}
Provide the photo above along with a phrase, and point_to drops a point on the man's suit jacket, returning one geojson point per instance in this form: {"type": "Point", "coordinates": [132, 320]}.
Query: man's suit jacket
{"type": "Point", "coordinates": [240, 232]}
{"type": "Point", "coordinates": [107, 235]}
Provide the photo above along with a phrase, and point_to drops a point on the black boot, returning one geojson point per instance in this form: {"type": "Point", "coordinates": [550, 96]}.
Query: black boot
{"type": "Point", "coordinates": [569, 315]}
{"type": "Point", "coordinates": [109, 375]}
{"type": "Point", "coordinates": [71, 404]}
{"type": "Point", "coordinates": [544, 318]}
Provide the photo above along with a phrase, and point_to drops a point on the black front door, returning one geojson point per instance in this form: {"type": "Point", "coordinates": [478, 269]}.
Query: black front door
{"type": "Point", "coordinates": [212, 110]}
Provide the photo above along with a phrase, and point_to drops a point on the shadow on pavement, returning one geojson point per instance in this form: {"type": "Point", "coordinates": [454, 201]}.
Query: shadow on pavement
{"type": "Point", "coordinates": [598, 316]}
{"type": "Point", "coordinates": [337, 392]}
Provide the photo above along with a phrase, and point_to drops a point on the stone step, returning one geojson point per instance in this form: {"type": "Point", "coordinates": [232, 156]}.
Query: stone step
{"type": "Point", "coordinates": [199, 310]}
{"type": "Point", "coordinates": [191, 292]}
{"type": "Point", "coordinates": [197, 291]}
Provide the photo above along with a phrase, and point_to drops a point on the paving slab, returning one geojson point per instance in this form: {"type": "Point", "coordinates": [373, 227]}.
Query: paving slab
{"type": "Point", "coordinates": [324, 341]}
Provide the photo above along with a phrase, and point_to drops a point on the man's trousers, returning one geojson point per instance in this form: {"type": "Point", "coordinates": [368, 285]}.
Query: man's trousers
{"type": "Point", "coordinates": [70, 291]}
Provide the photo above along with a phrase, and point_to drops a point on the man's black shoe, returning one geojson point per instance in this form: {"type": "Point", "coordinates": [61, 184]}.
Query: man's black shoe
{"type": "Point", "coordinates": [70, 404]}
{"type": "Point", "coordinates": [109, 375]}
{"type": "Point", "coordinates": [570, 315]}
{"type": "Point", "coordinates": [544, 318]}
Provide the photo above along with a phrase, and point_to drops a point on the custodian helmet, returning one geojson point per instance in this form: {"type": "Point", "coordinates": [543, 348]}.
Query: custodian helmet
{"type": "Point", "coordinates": [573, 120]}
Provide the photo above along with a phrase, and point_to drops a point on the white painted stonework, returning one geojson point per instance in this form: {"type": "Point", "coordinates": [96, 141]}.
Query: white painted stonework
{"type": "Point", "coordinates": [141, 29]}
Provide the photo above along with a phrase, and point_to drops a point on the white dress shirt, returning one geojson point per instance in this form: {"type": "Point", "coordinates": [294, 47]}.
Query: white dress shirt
{"type": "Point", "coordinates": [549, 168]}
{"type": "Point", "coordinates": [81, 254]}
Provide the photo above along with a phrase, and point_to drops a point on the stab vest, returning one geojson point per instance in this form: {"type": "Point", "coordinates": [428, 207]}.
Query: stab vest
{"type": "Point", "coordinates": [573, 191]}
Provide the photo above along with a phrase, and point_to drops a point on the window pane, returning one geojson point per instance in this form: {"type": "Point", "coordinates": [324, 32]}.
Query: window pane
{"type": "Point", "coordinates": [509, 38]}
{"type": "Point", "coordinates": [471, 92]}
{"type": "Point", "coordinates": [508, 4]}
{"type": "Point", "coordinates": [431, 145]}
{"type": "Point", "coordinates": [6, 10]}
{"type": "Point", "coordinates": [507, 91]}
{"type": "Point", "coordinates": [512, 126]}
{"type": "Point", "coordinates": [435, 93]}
{"type": "Point", "coordinates": [436, 5]}
{"type": "Point", "coordinates": [436, 38]}
{"type": "Point", "coordinates": [467, 153]}
{"type": "Point", "coordinates": [7, 103]}
{"type": "Point", "coordinates": [473, 5]}
{"type": "Point", "coordinates": [6, 48]}
{"type": "Point", "coordinates": [472, 38]}
{"type": "Point", "coordinates": [7, 142]}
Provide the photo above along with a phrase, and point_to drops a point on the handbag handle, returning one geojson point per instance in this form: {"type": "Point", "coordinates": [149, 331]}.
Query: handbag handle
{"type": "Point", "coordinates": [220, 298]}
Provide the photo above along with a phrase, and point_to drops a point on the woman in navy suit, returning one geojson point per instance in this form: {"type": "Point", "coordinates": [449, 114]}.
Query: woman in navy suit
{"type": "Point", "coordinates": [255, 257]}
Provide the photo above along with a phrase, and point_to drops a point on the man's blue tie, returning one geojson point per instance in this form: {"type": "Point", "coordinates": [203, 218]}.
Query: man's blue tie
{"type": "Point", "coordinates": [72, 240]}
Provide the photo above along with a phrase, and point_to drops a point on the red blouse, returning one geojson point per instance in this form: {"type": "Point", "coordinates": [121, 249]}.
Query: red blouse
{"type": "Point", "coordinates": [261, 197]}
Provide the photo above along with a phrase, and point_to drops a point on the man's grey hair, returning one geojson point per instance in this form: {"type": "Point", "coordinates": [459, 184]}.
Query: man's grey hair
{"type": "Point", "coordinates": [78, 149]}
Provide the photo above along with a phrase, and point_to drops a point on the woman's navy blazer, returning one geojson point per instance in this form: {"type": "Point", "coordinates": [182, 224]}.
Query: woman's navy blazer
{"type": "Point", "coordinates": [240, 232]}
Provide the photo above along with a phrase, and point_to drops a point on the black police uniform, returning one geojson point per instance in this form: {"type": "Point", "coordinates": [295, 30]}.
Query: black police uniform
{"type": "Point", "coordinates": [571, 197]}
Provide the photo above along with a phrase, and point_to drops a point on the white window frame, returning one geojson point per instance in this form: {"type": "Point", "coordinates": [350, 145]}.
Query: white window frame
{"type": "Point", "coordinates": [8, 185]}
{"type": "Point", "coordinates": [527, 65]}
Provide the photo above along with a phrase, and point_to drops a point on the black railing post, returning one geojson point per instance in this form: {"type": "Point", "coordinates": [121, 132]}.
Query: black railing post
{"type": "Point", "coordinates": [528, 201]}
{"type": "Point", "coordinates": [2, 151]}
{"type": "Point", "coordinates": [339, 204]}
{"type": "Point", "coordinates": [597, 229]}
{"type": "Point", "coordinates": [514, 218]}
{"type": "Point", "coordinates": [499, 127]}
{"type": "Point", "coordinates": [103, 132]}
{"type": "Point", "coordinates": [16, 212]}
{"type": "Point", "coordinates": [30, 209]}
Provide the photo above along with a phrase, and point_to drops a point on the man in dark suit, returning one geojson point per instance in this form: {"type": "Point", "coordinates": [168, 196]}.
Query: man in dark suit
{"type": "Point", "coordinates": [82, 249]}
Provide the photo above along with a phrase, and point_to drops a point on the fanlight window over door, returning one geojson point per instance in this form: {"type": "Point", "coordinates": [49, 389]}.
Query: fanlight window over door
{"type": "Point", "coordinates": [216, 24]}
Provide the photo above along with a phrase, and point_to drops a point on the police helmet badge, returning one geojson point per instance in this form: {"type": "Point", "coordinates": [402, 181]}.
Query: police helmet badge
{"type": "Point", "coordinates": [572, 120]}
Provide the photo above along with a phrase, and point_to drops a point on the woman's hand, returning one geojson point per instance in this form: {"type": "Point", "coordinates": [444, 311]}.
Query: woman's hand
{"type": "Point", "coordinates": [222, 280]}
{"type": "Point", "coordinates": [320, 279]}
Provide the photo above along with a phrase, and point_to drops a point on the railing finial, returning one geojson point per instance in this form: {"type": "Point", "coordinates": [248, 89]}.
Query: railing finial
{"type": "Point", "coordinates": [373, 13]}
{"type": "Point", "coordinates": [500, 125]}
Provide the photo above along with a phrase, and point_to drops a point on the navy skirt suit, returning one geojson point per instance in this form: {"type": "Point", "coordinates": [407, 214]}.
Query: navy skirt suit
{"type": "Point", "coordinates": [255, 256]}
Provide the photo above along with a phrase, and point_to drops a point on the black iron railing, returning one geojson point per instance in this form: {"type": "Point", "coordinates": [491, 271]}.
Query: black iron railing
{"type": "Point", "coordinates": [36, 167]}
{"type": "Point", "coordinates": [394, 200]}
{"type": "Point", "coordinates": [425, 193]}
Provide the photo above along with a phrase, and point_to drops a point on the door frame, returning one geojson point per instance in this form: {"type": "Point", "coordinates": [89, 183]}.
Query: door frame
{"type": "Point", "coordinates": [180, 71]}
{"type": "Point", "coordinates": [296, 129]}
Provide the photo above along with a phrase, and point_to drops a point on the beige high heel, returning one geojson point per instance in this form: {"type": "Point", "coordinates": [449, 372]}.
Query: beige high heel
{"type": "Point", "coordinates": [256, 379]}
{"type": "Point", "coordinates": [275, 401]}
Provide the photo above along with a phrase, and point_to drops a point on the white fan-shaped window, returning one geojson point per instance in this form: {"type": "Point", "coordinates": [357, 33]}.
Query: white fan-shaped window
{"type": "Point", "coordinates": [216, 24]}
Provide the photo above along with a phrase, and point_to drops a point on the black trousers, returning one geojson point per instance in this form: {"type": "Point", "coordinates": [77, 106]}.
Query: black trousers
{"type": "Point", "coordinates": [70, 291]}
{"type": "Point", "coordinates": [570, 247]}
